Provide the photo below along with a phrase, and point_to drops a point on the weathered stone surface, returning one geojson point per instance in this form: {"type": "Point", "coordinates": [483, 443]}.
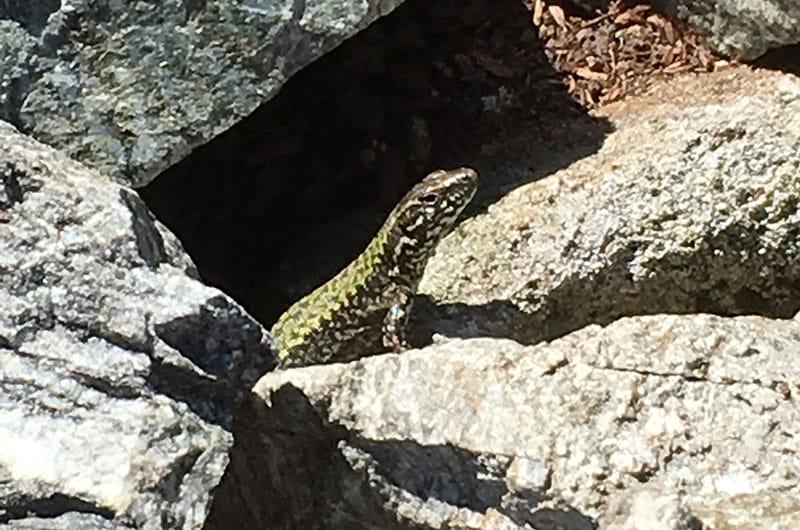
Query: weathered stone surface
{"type": "Point", "coordinates": [116, 364]}
{"type": "Point", "coordinates": [656, 422]}
{"type": "Point", "coordinates": [739, 28]}
{"type": "Point", "coordinates": [691, 205]}
{"type": "Point", "coordinates": [130, 88]}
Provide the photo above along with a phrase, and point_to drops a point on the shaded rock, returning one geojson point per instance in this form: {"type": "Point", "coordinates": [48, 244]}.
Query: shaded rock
{"type": "Point", "coordinates": [131, 88]}
{"type": "Point", "coordinates": [691, 205]}
{"type": "Point", "coordinates": [117, 366]}
{"type": "Point", "coordinates": [286, 472]}
{"type": "Point", "coordinates": [68, 521]}
{"type": "Point", "coordinates": [690, 416]}
{"type": "Point", "coordinates": [743, 29]}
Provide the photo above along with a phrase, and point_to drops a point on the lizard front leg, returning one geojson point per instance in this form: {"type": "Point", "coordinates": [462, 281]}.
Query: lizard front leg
{"type": "Point", "coordinates": [394, 323]}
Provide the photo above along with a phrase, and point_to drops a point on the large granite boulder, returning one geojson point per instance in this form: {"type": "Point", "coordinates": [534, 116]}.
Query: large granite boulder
{"type": "Point", "coordinates": [118, 368]}
{"type": "Point", "coordinates": [131, 88]}
{"type": "Point", "coordinates": [652, 423]}
{"type": "Point", "coordinates": [690, 205]}
{"type": "Point", "coordinates": [742, 29]}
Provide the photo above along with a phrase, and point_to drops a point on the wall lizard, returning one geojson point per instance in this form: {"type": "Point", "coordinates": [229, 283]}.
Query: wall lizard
{"type": "Point", "coordinates": [363, 310]}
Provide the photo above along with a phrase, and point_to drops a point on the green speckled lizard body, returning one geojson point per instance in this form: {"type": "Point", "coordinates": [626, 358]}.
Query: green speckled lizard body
{"type": "Point", "coordinates": [363, 310]}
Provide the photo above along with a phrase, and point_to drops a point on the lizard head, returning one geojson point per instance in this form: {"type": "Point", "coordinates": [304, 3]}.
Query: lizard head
{"type": "Point", "coordinates": [428, 212]}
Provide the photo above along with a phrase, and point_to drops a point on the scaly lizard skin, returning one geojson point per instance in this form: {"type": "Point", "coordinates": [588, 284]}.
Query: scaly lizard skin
{"type": "Point", "coordinates": [363, 310]}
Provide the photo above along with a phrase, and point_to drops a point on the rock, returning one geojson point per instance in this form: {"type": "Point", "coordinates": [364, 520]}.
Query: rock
{"type": "Point", "coordinates": [690, 205]}
{"type": "Point", "coordinates": [69, 521]}
{"type": "Point", "coordinates": [653, 422]}
{"type": "Point", "coordinates": [130, 89]}
{"type": "Point", "coordinates": [737, 28]}
{"type": "Point", "coordinates": [117, 366]}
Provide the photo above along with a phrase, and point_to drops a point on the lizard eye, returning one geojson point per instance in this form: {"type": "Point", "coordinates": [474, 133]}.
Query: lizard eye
{"type": "Point", "coordinates": [429, 198]}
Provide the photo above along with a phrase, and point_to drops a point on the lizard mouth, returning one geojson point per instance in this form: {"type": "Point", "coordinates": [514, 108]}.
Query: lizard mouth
{"type": "Point", "coordinates": [467, 183]}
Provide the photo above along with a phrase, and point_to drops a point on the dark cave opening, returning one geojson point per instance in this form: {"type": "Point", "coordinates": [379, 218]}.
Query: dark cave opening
{"type": "Point", "coordinates": [279, 203]}
{"type": "Point", "coordinates": [282, 201]}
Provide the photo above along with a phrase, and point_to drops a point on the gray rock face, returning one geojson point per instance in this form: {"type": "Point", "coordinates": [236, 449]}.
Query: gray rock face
{"type": "Point", "coordinates": [131, 88]}
{"type": "Point", "coordinates": [743, 29]}
{"type": "Point", "coordinates": [117, 366]}
{"type": "Point", "coordinates": [657, 422]}
{"type": "Point", "coordinates": [690, 205]}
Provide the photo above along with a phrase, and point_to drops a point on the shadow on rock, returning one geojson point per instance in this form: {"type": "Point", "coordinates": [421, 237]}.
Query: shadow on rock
{"type": "Point", "coordinates": [231, 345]}
{"type": "Point", "coordinates": [55, 505]}
{"type": "Point", "coordinates": [447, 473]}
{"type": "Point", "coordinates": [699, 282]}
{"type": "Point", "coordinates": [286, 472]}
{"type": "Point", "coordinates": [291, 469]}
{"type": "Point", "coordinates": [786, 59]}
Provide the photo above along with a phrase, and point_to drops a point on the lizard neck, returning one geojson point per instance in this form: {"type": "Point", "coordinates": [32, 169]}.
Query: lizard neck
{"type": "Point", "coordinates": [405, 255]}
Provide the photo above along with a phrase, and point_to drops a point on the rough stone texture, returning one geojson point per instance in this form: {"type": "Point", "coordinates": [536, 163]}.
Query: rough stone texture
{"type": "Point", "coordinates": [131, 87]}
{"type": "Point", "coordinates": [742, 29]}
{"type": "Point", "coordinates": [117, 367]}
{"type": "Point", "coordinates": [691, 205]}
{"type": "Point", "coordinates": [654, 422]}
